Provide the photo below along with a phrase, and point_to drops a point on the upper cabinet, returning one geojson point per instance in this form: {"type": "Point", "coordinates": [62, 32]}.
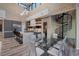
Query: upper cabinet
{"type": "Point", "coordinates": [2, 13]}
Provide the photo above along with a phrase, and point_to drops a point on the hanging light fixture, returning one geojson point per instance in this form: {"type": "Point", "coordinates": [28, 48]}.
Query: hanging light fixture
{"type": "Point", "coordinates": [24, 6]}
{"type": "Point", "coordinates": [25, 12]}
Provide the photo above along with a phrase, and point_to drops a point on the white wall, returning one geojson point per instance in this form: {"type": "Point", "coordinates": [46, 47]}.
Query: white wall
{"type": "Point", "coordinates": [77, 17]}
{"type": "Point", "coordinates": [49, 30]}
{"type": "Point", "coordinates": [23, 26]}
{"type": "Point", "coordinates": [72, 32]}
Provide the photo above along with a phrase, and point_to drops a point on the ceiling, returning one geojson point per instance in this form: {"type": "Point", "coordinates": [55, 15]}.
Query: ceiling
{"type": "Point", "coordinates": [12, 10]}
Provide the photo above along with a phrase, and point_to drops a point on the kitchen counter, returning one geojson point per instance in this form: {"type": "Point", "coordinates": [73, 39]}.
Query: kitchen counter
{"type": "Point", "coordinates": [29, 37]}
{"type": "Point", "coordinates": [29, 41]}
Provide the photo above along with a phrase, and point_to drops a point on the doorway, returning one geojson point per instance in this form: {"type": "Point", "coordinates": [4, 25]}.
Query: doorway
{"type": "Point", "coordinates": [1, 29]}
{"type": "Point", "coordinates": [0, 25]}
{"type": "Point", "coordinates": [45, 31]}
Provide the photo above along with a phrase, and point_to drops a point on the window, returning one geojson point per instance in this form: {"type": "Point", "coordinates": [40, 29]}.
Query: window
{"type": "Point", "coordinates": [30, 8]}
{"type": "Point", "coordinates": [38, 4]}
{"type": "Point", "coordinates": [34, 5]}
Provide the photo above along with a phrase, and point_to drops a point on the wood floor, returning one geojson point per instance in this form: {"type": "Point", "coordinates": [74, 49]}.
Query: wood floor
{"type": "Point", "coordinates": [10, 47]}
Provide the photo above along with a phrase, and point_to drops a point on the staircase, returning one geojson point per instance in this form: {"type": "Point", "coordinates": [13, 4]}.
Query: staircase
{"type": "Point", "coordinates": [10, 47]}
{"type": "Point", "coordinates": [65, 24]}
